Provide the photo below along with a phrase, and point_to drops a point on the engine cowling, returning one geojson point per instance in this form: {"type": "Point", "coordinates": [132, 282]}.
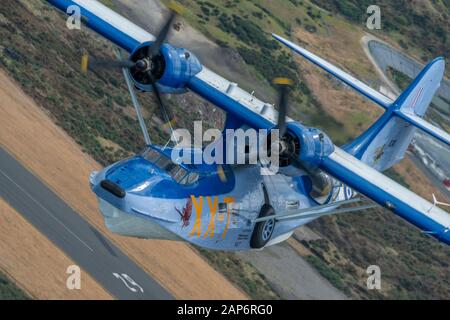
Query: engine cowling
{"type": "Point", "coordinates": [172, 68]}
{"type": "Point", "coordinates": [312, 147]}
{"type": "Point", "coordinates": [313, 144]}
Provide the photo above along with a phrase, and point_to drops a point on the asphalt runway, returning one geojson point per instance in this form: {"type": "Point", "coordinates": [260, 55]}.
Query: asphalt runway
{"type": "Point", "coordinates": [85, 245]}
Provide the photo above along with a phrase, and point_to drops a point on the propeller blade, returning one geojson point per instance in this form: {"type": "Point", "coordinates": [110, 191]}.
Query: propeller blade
{"type": "Point", "coordinates": [85, 63]}
{"type": "Point", "coordinates": [283, 106]}
{"type": "Point", "coordinates": [154, 49]}
{"type": "Point", "coordinates": [88, 62]}
{"type": "Point", "coordinates": [166, 113]}
{"type": "Point", "coordinates": [111, 64]}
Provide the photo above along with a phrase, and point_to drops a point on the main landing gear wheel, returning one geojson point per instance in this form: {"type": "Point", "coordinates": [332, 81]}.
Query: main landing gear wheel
{"type": "Point", "coordinates": [263, 230]}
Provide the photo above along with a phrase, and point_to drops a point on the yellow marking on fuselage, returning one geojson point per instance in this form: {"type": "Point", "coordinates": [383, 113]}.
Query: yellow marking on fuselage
{"type": "Point", "coordinates": [212, 221]}
{"type": "Point", "coordinates": [213, 203]}
{"type": "Point", "coordinates": [197, 228]}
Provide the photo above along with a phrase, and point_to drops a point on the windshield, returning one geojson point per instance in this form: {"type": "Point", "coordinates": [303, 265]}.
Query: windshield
{"type": "Point", "coordinates": [178, 173]}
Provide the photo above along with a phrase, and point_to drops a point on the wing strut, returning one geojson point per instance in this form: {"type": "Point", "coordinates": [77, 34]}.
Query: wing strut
{"type": "Point", "coordinates": [136, 104]}
{"type": "Point", "coordinates": [318, 211]}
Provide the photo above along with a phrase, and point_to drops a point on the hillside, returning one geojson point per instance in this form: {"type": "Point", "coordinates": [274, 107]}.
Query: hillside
{"type": "Point", "coordinates": [420, 27]}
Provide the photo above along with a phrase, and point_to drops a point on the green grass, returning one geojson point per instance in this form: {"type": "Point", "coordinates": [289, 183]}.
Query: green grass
{"type": "Point", "coordinates": [328, 272]}
{"type": "Point", "coordinates": [424, 29]}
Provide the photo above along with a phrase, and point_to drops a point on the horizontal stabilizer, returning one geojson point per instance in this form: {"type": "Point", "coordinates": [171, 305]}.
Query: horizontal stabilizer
{"type": "Point", "coordinates": [356, 84]}
{"type": "Point", "coordinates": [425, 126]}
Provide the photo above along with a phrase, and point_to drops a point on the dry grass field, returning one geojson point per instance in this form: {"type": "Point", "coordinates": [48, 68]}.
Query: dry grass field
{"type": "Point", "coordinates": [36, 264]}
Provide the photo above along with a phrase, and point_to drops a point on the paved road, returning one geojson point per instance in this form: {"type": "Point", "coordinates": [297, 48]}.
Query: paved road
{"type": "Point", "coordinates": [291, 275]}
{"type": "Point", "coordinates": [386, 56]}
{"type": "Point", "coordinates": [75, 236]}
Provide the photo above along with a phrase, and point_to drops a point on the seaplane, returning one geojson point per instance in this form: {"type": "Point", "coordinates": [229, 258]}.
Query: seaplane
{"type": "Point", "coordinates": [236, 207]}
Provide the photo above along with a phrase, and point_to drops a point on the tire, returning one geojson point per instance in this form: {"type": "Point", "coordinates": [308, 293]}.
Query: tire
{"type": "Point", "coordinates": [263, 230]}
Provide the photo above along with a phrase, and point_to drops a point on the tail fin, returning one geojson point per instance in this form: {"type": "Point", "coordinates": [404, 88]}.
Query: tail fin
{"type": "Point", "coordinates": [386, 141]}
{"type": "Point", "coordinates": [414, 102]}
{"type": "Point", "coordinates": [417, 97]}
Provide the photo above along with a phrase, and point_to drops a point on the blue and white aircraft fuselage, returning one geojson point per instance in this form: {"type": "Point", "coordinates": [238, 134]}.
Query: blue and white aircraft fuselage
{"type": "Point", "coordinates": [198, 205]}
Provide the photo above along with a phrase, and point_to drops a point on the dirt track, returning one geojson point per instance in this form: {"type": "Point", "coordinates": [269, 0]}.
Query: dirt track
{"type": "Point", "coordinates": [27, 132]}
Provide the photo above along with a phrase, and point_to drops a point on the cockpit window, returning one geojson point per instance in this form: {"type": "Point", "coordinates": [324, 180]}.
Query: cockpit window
{"type": "Point", "coordinates": [151, 155]}
{"type": "Point", "coordinates": [178, 173]}
{"type": "Point", "coordinates": [163, 163]}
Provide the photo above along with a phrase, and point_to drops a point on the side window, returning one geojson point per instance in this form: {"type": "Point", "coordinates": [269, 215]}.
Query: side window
{"type": "Point", "coordinates": [178, 174]}
{"type": "Point", "coordinates": [190, 178]}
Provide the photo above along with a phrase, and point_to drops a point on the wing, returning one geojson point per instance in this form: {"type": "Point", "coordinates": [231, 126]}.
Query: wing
{"type": "Point", "coordinates": [356, 84]}
{"type": "Point", "coordinates": [238, 103]}
{"type": "Point", "coordinates": [388, 193]}
{"type": "Point", "coordinates": [107, 23]}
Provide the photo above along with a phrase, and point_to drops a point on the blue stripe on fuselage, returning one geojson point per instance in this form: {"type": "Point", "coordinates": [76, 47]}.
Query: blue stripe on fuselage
{"type": "Point", "coordinates": [100, 26]}
{"type": "Point", "coordinates": [381, 196]}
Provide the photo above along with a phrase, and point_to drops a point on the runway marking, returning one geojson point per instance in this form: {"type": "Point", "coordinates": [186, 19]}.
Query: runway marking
{"type": "Point", "coordinates": [128, 282]}
{"type": "Point", "coordinates": [47, 211]}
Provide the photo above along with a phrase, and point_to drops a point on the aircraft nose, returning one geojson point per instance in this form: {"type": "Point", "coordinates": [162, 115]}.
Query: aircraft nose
{"type": "Point", "coordinates": [113, 188]}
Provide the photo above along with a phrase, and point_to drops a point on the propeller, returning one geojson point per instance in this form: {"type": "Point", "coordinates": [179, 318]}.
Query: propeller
{"type": "Point", "coordinates": [285, 144]}
{"type": "Point", "coordinates": [148, 67]}
{"type": "Point", "coordinates": [283, 106]}
{"type": "Point", "coordinates": [287, 147]}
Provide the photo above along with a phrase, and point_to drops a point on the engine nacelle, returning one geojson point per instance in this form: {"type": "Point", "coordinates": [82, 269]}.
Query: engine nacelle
{"type": "Point", "coordinates": [314, 145]}
{"type": "Point", "coordinates": [172, 68]}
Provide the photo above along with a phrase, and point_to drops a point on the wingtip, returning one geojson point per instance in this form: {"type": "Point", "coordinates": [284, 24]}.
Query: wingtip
{"type": "Point", "coordinates": [277, 37]}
